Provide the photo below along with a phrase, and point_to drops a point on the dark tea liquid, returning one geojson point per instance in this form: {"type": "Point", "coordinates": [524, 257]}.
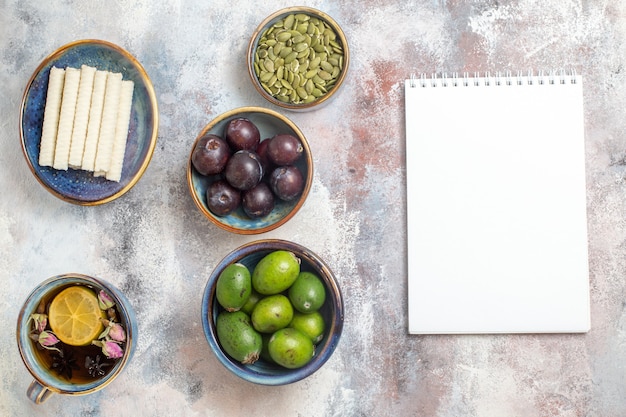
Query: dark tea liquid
{"type": "Point", "coordinates": [80, 373]}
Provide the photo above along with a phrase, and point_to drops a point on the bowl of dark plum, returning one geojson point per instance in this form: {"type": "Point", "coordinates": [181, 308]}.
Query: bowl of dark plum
{"type": "Point", "coordinates": [250, 170]}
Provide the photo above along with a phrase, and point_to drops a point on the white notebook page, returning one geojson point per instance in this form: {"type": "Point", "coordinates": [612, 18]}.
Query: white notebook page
{"type": "Point", "coordinates": [496, 206]}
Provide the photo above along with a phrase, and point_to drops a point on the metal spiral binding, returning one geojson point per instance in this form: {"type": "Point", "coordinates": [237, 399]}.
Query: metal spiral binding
{"type": "Point", "coordinates": [497, 79]}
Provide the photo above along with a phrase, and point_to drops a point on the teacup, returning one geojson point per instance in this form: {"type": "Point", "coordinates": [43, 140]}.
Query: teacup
{"type": "Point", "coordinates": [74, 370]}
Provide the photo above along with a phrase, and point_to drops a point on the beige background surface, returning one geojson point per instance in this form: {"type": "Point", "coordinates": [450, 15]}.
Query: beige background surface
{"type": "Point", "coordinates": [158, 248]}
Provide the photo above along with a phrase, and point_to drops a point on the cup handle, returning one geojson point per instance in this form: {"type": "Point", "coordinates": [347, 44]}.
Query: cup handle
{"type": "Point", "coordinates": [37, 392]}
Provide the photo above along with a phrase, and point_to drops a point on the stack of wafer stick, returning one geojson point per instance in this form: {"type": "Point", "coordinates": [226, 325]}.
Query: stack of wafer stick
{"type": "Point", "coordinates": [86, 121]}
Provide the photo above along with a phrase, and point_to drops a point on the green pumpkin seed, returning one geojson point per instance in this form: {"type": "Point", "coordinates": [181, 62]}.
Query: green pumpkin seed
{"type": "Point", "coordinates": [267, 89]}
{"type": "Point", "coordinates": [315, 62]}
{"type": "Point", "coordinates": [324, 75]}
{"type": "Point", "coordinates": [286, 84]}
{"type": "Point", "coordinates": [265, 76]}
{"type": "Point", "coordinates": [277, 47]}
{"type": "Point", "coordinates": [289, 58]}
{"type": "Point", "coordinates": [289, 21]}
{"type": "Point", "coordinates": [319, 47]}
{"type": "Point", "coordinates": [311, 73]}
{"type": "Point", "coordinates": [283, 36]}
{"type": "Point", "coordinates": [302, 92]}
{"type": "Point", "coordinates": [298, 38]}
{"type": "Point", "coordinates": [326, 66]}
{"type": "Point", "coordinates": [299, 47]}
{"type": "Point", "coordinates": [285, 51]}
{"type": "Point", "coordinates": [296, 79]}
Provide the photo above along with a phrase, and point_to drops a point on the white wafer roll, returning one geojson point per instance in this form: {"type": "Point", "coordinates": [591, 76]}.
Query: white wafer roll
{"type": "Point", "coordinates": [95, 117]}
{"type": "Point", "coordinates": [51, 116]}
{"type": "Point", "coordinates": [81, 117]}
{"type": "Point", "coordinates": [109, 121]}
{"type": "Point", "coordinates": [121, 131]}
{"type": "Point", "coordinates": [66, 118]}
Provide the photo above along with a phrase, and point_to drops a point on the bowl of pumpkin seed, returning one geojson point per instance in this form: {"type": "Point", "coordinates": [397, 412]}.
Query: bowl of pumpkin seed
{"type": "Point", "coordinates": [298, 58]}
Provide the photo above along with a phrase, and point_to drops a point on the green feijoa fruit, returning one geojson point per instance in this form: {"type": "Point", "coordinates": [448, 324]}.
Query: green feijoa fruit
{"type": "Point", "coordinates": [233, 287]}
{"type": "Point", "coordinates": [237, 336]}
{"type": "Point", "coordinates": [275, 272]}
{"type": "Point", "coordinates": [311, 324]}
{"type": "Point", "coordinates": [291, 348]}
{"type": "Point", "coordinates": [307, 293]}
{"type": "Point", "coordinates": [272, 313]}
{"type": "Point", "coordinates": [252, 300]}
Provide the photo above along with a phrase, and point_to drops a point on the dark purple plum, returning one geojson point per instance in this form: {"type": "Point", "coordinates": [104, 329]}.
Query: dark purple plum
{"type": "Point", "coordinates": [243, 170]}
{"type": "Point", "coordinates": [258, 201]}
{"type": "Point", "coordinates": [210, 154]}
{"type": "Point", "coordinates": [242, 134]}
{"type": "Point", "coordinates": [284, 149]}
{"type": "Point", "coordinates": [286, 182]}
{"type": "Point", "coordinates": [261, 151]}
{"type": "Point", "coordinates": [222, 198]}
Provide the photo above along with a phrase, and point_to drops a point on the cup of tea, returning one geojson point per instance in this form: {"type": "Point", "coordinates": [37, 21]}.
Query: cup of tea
{"type": "Point", "coordinates": [75, 334]}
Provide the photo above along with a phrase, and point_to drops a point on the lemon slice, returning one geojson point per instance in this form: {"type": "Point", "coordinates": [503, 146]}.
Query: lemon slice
{"type": "Point", "coordinates": [75, 316]}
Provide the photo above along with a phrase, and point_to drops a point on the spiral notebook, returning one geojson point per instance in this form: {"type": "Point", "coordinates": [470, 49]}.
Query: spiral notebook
{"type": "Point", "coordinates": [496, 204]}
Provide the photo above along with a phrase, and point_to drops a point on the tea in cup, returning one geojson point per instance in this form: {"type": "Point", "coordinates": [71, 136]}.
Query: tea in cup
{"type": "Point", "coordinates": [75, 335]}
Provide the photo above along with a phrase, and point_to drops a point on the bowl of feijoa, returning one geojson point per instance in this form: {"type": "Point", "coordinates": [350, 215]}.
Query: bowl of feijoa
{"type": "Point", "coordinates": [250, 170]}
{"type": "Point", "coordinates": [272, 312]}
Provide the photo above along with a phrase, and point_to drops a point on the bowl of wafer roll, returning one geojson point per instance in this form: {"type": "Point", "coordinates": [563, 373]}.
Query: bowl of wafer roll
{"type": "Point", "coordinates": [89, 122]}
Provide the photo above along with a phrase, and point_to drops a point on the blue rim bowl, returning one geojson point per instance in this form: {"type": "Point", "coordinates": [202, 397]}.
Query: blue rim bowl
{"type": "Point", "coordinates": [269, 123]}
{"type": "Point", "coordinates": [78, 186]}
{"type": "Point", "coordinates": [262, 372]}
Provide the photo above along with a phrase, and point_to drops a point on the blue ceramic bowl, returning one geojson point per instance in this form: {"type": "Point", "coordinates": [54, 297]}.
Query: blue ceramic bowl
{"type": "Point", "coordinates": [262, 372]}
{"type": "Point", "coordinates": [76, 186]}
{"type": "Point", "coordinates": [269, 123]}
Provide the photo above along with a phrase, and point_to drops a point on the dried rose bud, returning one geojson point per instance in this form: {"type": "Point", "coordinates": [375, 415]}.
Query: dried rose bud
{"type": "Point", "coordinates": [46, 340]}
{"type": "Point", "coordinates": [40, 321]}
{"type": "Point", "coordinates": [113, 331]}
{"type": "Point", "coordinates": [105, 301]}
{"type": "Point", "coordinates": [110, 348]}
{"type": "Point", "coordinates": [117, 332]}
